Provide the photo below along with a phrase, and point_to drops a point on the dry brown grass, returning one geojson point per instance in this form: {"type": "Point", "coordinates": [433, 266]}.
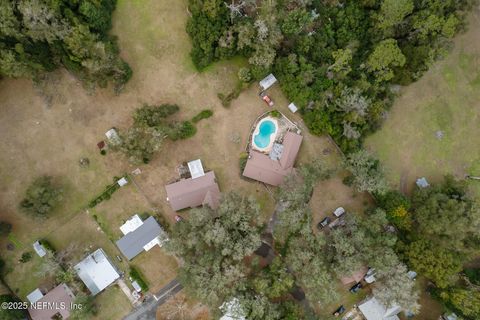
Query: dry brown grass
{"type": "Point", "coordinates": [50, 139]}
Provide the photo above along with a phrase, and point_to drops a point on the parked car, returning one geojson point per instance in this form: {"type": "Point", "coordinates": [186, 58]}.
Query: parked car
{"type": "Point", "coordinates": [339, 311]}
{"type": "Point", "coordinates": [178, 218]}
{"type": "Point", "coordinates": [322, 224]}
{"type": "Point", "coordinates": [339, 212]}
{"type": "Point", "coordinates": [356, 288]}
{"type": "Point", "coordinates": [267, 100]}
{"type": "Point", "coordinates": [370, 276]}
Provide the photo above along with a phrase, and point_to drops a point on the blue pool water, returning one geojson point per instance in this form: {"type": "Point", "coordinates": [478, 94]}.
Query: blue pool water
{"type": "Point", "coordinates": [262, 139]}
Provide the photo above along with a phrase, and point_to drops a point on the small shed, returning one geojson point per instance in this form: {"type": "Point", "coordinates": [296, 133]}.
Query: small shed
{"type": "Point", "coordinates": [267, 82]}
{"type": "Point", "coordinates": [113, 136]}
{"type": "Point", "coordinates": [34, 296]}
{"type": "Point", "coordinates": [39, 249]}
{"type": "Point", "coordinates": [411, 275]}
{"type": "Point", "coordinates": [196, 168]}
{"type": "Point", "coordinates": [422, 182]}
{"type": "Point", "coordinates": [123, 181]}
{"type": "Point", "coordinates": [292, 107]}
{"type": "Point", "coordinates": [136, 286]}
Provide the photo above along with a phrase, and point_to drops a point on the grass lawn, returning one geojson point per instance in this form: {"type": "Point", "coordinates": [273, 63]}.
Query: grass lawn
{"type": "Point", "coordinates": [331, 194]}
{"type": "Point", "coordinates": [445, 99]}
{"type": "Point", "coordinates": [112, 304]}
{"type": "Point", "coordinates": [346, 299]}
{"type": "Point", "coordinates": [40, 138]}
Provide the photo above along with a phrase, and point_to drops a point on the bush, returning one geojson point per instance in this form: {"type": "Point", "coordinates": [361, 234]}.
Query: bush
{"type": "Point", "coordinates": [41, 197]}
{"type": "Point", "coordinates": [275, 114]}
{"type": "Point", "coordinates": [181, 130]}
{"type": "Point", "coordinates": [103, 152]}
{"type": "Point", "coordinates": [245, 75]}
{"type": "Point", "coordinates": [227, 99]}
{"type": "Point", "coordinates": [137, 276]}
{"type": "Point", "coordinates": [26, 256]}
{"type": "Point", "coordinates": [473, 274]}
{"type": "Point", "coordinates": [243, 161]}
{"type": "Point", "coordinates": [11, 314]}
{"type": "Point", "coordinates": [5, 228]}
{"type": "Point", "coordinates": [204, 114]}
{"type": "Point", "coordinates": [153, 116]}
{"type": "Point", "coordinates": [106, 194]}
{"type": "Point", "coordinates": [47, 245]}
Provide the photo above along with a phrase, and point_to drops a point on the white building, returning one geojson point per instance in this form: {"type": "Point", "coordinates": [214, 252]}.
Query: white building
{"type": "Point", "coordinates": [372, 309]}
{"type": "Point", "coordinates": [96, 271]}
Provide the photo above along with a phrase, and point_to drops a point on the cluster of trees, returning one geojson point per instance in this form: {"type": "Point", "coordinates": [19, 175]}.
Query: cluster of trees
{"type": "Point", "coordinates": [217, 248]}
{"type": "Point", "coordinates": [37, 36]}
{"type": "Point", "coordinates": [337, 60]}
{"type": "Point", "coordinates": [151, 126]}
{"type": "Point", "coordinates": [41, 197]}
{"type": "Point", "coordinates": [438, 228]}
{"type": "Point", "coordinates": [317, 260]}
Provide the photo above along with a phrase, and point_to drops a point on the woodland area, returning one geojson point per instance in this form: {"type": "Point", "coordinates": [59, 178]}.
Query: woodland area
{"type": "Point", "coordinates": [337, 60]}
{"type": "Point", "coordinates": [40, 36]}
{"type": "Point", "coordinates": [341, 63]}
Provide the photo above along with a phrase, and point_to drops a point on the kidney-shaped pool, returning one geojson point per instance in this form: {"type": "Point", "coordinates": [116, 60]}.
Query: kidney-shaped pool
{"type": "Point", "coordinates": [265, 134]}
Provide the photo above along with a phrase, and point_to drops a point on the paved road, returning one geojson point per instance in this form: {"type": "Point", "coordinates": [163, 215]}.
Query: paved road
{"type": "Point", "coordinates": [148, 309]}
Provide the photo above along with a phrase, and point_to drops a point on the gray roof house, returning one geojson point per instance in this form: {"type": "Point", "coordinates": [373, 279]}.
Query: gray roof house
{"type": "Point", "coordinates": [200, 189]}
{"type": "Point", "coordinates": [96, 271]}
{"type": "Point", "coordinates": [142, 238]}
{"type": "Point", "coordinates": [263, 168]}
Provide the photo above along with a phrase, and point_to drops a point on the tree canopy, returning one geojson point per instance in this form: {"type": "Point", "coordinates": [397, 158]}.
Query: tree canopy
{"type": "Point", "coordinates": [38, 36]}
{"type": "Point", "coordinates": [212, 245]}
{"type": "Point", "coordinates": [318, 49]}
{"type": "Point", "coordinates": [41, 197]}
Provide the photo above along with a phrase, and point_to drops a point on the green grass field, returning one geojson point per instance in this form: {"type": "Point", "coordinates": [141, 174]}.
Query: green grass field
{"type": "Point", "coordinates": [446, 99]}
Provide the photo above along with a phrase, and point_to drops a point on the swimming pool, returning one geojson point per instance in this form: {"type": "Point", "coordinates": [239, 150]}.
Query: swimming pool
{"type": "Point", "coordinates": [262, 138]}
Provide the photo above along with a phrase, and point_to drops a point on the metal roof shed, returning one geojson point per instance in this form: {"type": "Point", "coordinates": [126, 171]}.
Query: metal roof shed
{"type": "Point", "coordinates": [422, 183]}
{"type": "Point", "coordinates": [292, 107]}
{"type": "Point", "coordinates": [267, 82]}
{"type": "Point", "coordinates": [39, 249]}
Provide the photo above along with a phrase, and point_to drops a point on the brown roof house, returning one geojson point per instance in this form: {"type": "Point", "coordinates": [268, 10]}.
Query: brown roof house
{"type": "Point", "coordinates": [199, 189]}
{"type": "Point", "coordinates": [273, 167]}
{"type": "Point", "coordinates": [56, 304]}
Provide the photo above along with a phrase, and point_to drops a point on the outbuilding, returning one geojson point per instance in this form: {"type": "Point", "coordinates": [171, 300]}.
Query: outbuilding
{"type": "Point", "coordinates": [267, 82]}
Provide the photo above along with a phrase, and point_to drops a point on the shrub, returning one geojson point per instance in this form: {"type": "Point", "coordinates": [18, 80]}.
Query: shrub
{"type": "Point", "coordinates": [227, 99]}
{"type": "Point", "coordinates": [5, 228]}
{"type": "Point", "coordinates": [473, 274]}
{"type": "Point", "coordinates": [204, 114]}
{"type": "Point", "coordinates": [245, 75]}
{"type": "Point", "coordinates": [106, 194]}
{"type": "Point", "coordinates": [275, 114]}
{"type": "Point", "coordinates": [41, 197]}
{"type": "Point", "coordinates": [47, 245]}
{"type": "Point", "coordinates": [243, 161]}
{"type": "Point", "coordinates": [26, 256]}
{"type": "Point", "coordinates": [182, 130]}
{"type": "Point", "coordinates": [103, 152]}
{"type": "Point", "coordinates": [153, 116]}
{"type": "Point", "coordinates": [137, 276]}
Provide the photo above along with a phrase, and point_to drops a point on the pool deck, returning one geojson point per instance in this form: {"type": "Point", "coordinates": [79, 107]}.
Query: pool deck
{"type": "Point", "coordinates": [272, 137]}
